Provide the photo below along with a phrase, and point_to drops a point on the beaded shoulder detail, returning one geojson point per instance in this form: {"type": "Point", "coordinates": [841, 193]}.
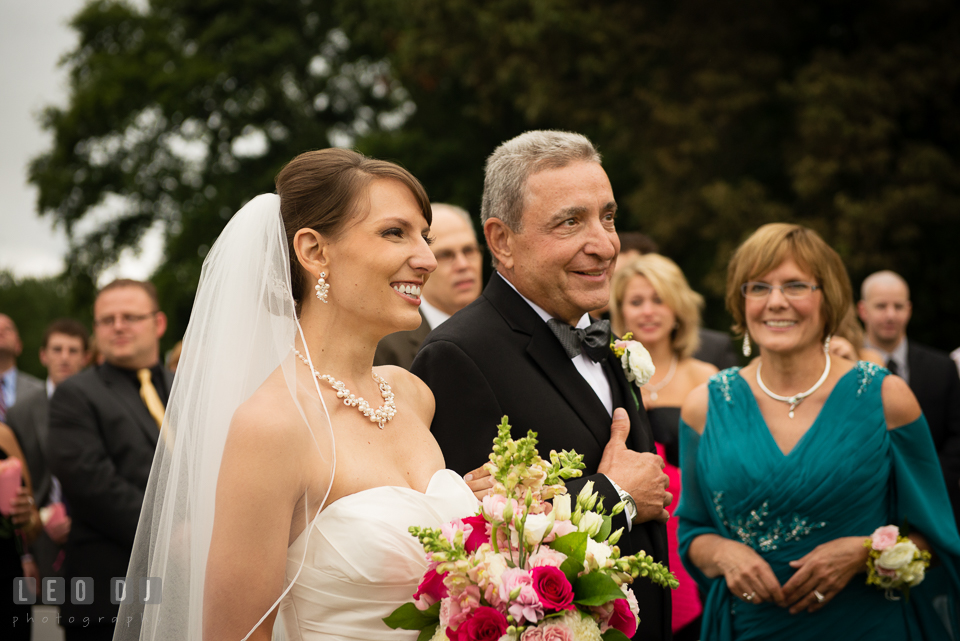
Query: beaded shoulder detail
{"type": "Point", "coordinates": [723, 380]}
{"type": "Point", "coordinates": [866, 373]}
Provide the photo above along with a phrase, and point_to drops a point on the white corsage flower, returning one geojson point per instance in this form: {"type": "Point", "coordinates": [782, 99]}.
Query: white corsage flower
{"type": "Point", "coordinates": [636, 361]}
{"type": "Point", "coordinates": [898, 556]}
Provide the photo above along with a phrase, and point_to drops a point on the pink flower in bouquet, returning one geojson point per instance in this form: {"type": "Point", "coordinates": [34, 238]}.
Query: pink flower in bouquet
{"type": "Point", "coordinates": [552, 587]}
{"type": "Point", "coordinates": [545, 556]}
{"type": "Point", "coordinates": [494, 505]}
{"type": "Point", "coordinates": [478, 533]}
{"type": "Point", "coordinates": [451, 528]}
{"type": "Point", "coordinates": [463, 605]}
{"type": "Point", "coordinates": [526, 606]}
{"type": "Point", "coordinates": [560, 528]}
{"type": "Point", "coordinates": [486, 624]}
{"type": "Point", "coordinates": [884, 537]}
{"type": "Point", "coordinates": [431, 588]}
{"type": "Point", "coordinates": [9, 483]}
{"type": "Point", "coordinates": [621, 344]}
{"type": "Point", "coordinates": [882, 571]}
{"type": "Point", "coordinates": [511, 579]}
{"type": "Point", "coordinates": [548, 633]}
{"type": "Point", "coordinates": [622, 618]}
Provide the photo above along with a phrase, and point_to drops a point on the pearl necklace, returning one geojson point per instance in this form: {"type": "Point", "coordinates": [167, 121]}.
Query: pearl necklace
{"type": "Point", "coordinates": [653, 389]}
{"type": "Point", "coordinates": [379, 416]}
{"type": "Point", "coordinates": [796, 399]}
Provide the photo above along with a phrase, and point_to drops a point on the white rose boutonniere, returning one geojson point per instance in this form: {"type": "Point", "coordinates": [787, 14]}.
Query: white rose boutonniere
{"type": "Point", "coordinates": [636, 361]}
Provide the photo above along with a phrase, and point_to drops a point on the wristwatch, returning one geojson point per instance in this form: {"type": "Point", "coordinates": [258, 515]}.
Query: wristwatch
{"type": "Point", "coordinates": [630, 506]}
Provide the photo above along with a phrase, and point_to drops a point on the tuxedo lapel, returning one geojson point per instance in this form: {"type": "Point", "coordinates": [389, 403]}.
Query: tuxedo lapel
{"type": "Point", "coordinates": [547, 352]}
{"type": "Point", "coordinates": [129, 398]}
{"type": "Point", "coordinates": [623, 396]}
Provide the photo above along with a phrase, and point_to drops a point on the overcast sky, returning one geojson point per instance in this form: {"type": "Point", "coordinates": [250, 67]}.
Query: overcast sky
{"type": "Point", "coordinates": [34, 34]}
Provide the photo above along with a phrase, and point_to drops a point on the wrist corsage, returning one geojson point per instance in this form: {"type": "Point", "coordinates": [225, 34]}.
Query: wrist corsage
{"type": "Point", "coordinates": [894, 562]}
{"type": "Point", "coordinates": [636, 361]}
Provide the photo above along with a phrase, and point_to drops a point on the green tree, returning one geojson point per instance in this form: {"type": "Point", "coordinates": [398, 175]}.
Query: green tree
{"type": "Point", "coordinates": [181, 112]}
{"type": "Point", "coordinates": [714, 118]}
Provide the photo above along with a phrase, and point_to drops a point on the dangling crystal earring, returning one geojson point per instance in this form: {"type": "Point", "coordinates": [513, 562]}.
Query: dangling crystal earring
{"type": "Point", "coordinates": [746, 345]}
{"type": "Point", "coordinates": [826, 345]}
{"type": "Point", "coordinates": [322, 288]}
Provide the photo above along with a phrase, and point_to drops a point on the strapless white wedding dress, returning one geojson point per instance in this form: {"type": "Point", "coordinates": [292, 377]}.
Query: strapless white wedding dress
{"type": "Point", "coordinates": [361, 562]}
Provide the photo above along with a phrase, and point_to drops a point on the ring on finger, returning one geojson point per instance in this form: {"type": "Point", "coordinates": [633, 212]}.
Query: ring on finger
{"type": "Point", "coordinates": [820, 597]}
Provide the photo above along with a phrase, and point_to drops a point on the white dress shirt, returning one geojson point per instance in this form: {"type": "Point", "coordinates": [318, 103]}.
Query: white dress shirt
{"type": "Point", "coordinates": [898, 356]}
{"type": "Point", "coordinates": [433, 316]}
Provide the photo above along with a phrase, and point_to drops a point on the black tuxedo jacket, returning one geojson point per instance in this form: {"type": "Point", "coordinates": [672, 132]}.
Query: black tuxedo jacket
{"type": "Point", "coordinates": [400, 348]}
{"type": "Point", "coordinates": [101, 443]}
{"type": "Point", "coordinates": [496, 357]}
{"type": "Point", "coordinates": [934, 381]}
{"type": "Point", "coordinates": [28, 420]}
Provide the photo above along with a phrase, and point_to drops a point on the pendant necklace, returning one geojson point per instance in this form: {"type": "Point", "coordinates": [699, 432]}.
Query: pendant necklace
{"type": "Point", "coordinates": [653, 389]}
{"type": "Point", "coordinates": [380, 416]}
{"type": "Point", "coordinates": [796, 399]}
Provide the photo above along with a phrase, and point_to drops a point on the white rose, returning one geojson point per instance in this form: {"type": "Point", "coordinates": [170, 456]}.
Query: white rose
{"type": "Point", "coordinates": [898, 556]}
{"type": "Point", "coordinates": [535, 527]}
{"type": "Point", "coordinates": [637, 364]}
{"type": "Point", "coordinates": [590, 522]}
{"type": "Point", "coordinates": [912, 574]}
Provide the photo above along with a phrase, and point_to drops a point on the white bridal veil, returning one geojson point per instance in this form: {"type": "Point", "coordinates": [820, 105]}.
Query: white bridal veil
{"type": "Point", "coordinates": [241, 330]}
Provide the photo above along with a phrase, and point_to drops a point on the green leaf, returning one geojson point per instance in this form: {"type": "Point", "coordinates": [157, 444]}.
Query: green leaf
{"type": "Point", "coordinates": [427, 633]}
{"type": "Point", "coordinates": [574, 545]}
{"type": "Point", "coordinates": [614, 635]}
{"type": "Point", "coordinates": [596, 589]}
{"type": "Point", "coordinates": [408, 617]}
{"type": "Point", "coordinates": [604, 529]}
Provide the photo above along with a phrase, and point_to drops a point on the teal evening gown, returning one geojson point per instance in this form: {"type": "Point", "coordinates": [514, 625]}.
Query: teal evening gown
{"type": "Point", "coordinates": [847, 476]}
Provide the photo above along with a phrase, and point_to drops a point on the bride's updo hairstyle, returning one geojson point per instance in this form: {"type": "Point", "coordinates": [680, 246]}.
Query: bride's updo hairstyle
{"type": "Point", "coordinates": [770, 246]}
{"type": "Point", "coordinates": [325, 191]}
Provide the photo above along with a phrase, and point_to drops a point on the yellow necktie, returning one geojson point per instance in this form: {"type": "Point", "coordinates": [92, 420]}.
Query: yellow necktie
{"type": "Point", "coordinates": [150, 397]}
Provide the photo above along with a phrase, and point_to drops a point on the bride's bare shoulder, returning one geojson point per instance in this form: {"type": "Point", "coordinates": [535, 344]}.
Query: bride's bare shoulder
{"type": "Point", "coordinates": [408, 388]}
{"type": "Point", "coordinates": [269, 418]}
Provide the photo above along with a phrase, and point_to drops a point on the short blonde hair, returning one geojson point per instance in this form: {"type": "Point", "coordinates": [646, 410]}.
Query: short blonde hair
{"type": "Point", "coordinates": [772, 244]}
{"type": "Point", "coordinates": [671, 286]}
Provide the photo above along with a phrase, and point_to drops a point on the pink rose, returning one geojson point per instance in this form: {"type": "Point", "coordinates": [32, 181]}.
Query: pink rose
{"type": "Point", "coordinates": [486, 624]}
{"type": "Point", "coordinates": [621, 344]}
{"type": "Point", "coordinates": [493, 506]}
{"type": "Point", "coordinates": [10, 470]}
{"type": "Point", "coordinates": [462, 605]}
{"type": "Point", "coordinates": [552, 587]}
{"type": "Point", "coordinates": [622, 618]}
{"type": "Point", "coordinates": [478, 534]}
{"type": "Point", "coordinates": [884, 537]}
{"type": "Point", "coordinates": [545, 556]}
{"type": "Point", "coordinates": [560, 528]}
{"type": "Point", "coordinates": [431, 589]}
{"type": "Point", "coordinates": [552, 632]}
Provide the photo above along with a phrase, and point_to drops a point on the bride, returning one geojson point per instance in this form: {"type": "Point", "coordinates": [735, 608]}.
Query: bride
{"type": "Point", "coordinates": [291, 468]}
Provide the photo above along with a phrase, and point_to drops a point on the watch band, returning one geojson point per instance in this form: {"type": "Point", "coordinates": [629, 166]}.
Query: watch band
{"type": "Point", "coordinates": [630, 507]}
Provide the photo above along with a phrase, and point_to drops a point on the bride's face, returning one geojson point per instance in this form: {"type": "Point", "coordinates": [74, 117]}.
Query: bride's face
{"type": "Point", "coordinates": [378, 266]}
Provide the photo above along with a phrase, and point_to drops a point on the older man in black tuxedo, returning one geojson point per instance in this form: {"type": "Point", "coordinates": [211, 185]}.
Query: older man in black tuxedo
{"type": "Point", "coordinates": [548, 214]}
{"type": "Point", "coordinates": [104, 428]}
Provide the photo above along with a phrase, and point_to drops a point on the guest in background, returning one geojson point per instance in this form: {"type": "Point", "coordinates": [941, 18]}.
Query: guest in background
{"type": "Point", "coordinates": [455, 284]}
{"type": "Point", "coordinates": [104, 427]}
{"type": "Point", "coordinates": [885, 310]}
{"type": "Point", "coordinates": [173, 357]}
{"type": "Point", "coordinates": [26, 519]}
{"type": "Point", "coordinates": [791, 462]}
{"type": "Point", "coordinates": [63, 353]}
{"type": "Point", "coordinates": [13, 382]}
{"type": "Point", "coordinates": [650, 297]}
{"type": "Point", "coordinates": [847, 342]}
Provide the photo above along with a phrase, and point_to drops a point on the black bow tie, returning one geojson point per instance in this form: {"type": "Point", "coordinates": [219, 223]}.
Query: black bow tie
{"type": "Point", "coordinates": [594, 341]}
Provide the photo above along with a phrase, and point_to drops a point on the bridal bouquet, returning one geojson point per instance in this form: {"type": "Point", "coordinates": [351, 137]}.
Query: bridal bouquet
{"type": "Point", "coordinates": [894, 562]}
{"type": "Point", "coordinates": [534, 564]}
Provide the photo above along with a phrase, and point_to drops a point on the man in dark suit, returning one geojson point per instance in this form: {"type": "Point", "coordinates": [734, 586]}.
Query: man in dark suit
{"type": "Point", "coordinates": [104, 427]}
{"type": "Point", "coordinates": [885, 311]}
{"type": "Point", "coordinates": [13, 383]}
{"type": "Point", "coordinates": [452, 286]}
{"type": "Point", "coordinates": [548, 212]}
{"type": "Point", "coordinates": [64, 353]}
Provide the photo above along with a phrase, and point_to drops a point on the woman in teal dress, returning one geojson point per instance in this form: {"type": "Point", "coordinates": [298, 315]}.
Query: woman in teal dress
{"type": "Point", "coordinates": [791, 462]}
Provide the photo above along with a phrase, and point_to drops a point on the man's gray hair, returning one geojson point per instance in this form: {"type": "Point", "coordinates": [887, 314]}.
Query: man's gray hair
{"type": "Point", "coordinates": [513, 162]}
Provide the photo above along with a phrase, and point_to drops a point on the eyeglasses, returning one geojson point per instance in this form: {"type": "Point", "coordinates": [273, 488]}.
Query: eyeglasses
{"type": "Point", "coordinates": [121, 319]}
{"type": "Point", "coordinates": [795, 289]}
{"type": "Point", "coordinates": [450, 255]}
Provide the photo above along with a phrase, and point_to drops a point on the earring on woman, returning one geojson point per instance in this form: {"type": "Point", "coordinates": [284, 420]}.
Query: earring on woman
{"type": "Point", "coordinates": [746, 345]}
{"type": "Point", "coordinates": [322, 288]}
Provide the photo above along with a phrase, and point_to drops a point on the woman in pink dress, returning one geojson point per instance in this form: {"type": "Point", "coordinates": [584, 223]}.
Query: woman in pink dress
{"type": "Point", "coordinates": [651, 298]}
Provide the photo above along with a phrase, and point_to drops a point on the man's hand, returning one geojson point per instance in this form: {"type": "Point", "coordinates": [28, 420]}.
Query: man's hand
{"type": "Point", "coordinates": [640, 474]}
{"type": "Point", "coordinates": [60, 532]}
{"type": "Point", "coordinates": [480, 481]}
